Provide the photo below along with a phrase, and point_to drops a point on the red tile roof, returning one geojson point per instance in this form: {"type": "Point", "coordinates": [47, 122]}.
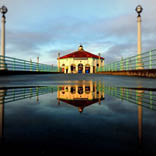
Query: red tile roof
{"type": "Point", "coordinates": [80, 103]}
{"type": "Point", "coordinates": [81, 54]}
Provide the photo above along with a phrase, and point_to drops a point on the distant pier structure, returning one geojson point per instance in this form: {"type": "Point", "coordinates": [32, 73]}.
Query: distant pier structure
{"type": "Point", "coordinates": [80, 61]}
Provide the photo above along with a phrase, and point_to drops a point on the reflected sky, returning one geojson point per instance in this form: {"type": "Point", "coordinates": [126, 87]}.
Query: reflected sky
{"type": "Point", "coordinates": [82, 116]}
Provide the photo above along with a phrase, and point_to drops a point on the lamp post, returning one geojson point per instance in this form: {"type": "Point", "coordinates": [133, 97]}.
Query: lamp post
{"type": "Point", "coordinates": [139, 64]}
{"type": "Point", "coordinates": [3, 10]}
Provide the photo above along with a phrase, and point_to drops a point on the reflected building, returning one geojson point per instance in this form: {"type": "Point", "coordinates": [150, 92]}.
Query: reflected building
{"type": "Point", "coordinates": [80, 95]}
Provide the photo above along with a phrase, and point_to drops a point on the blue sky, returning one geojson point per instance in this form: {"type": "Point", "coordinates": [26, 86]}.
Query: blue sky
{"type": "Point", "coordinates": [45, 27]}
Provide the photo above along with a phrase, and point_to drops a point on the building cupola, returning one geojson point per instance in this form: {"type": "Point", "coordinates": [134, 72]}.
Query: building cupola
{"type": "Point", "coordinates": [80, 47]}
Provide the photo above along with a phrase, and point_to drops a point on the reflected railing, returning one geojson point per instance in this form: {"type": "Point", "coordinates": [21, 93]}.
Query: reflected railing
{"type": "Point", "coordinates": [15, 94]}
{"type": "Point", "coordinates": [139, 96]}
{"type": "Point", "coordinates": [88, 91]}
{"type": "Point", "coordinates": [82, 95]}
{"type": "Point", "coordinates": [8, 95]}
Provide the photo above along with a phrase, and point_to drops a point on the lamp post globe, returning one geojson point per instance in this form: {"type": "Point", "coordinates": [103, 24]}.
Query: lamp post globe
{"type": "Point", "coordinates": [139, 9]}
{"type": "Point", "coordinates": [3, 10]}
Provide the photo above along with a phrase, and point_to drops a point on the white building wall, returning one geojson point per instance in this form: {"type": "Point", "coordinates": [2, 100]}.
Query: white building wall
{"type": "Point", "coordinates": [67, 62]}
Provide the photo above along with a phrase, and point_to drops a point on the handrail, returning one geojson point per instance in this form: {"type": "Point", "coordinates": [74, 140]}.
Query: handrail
{"type": "Point", "coordinates": [146, 60]}
{"type": "Point", "coordinates": [15, 64]}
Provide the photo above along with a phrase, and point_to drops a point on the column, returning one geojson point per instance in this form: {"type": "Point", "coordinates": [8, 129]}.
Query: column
{"type": "Point", "coordinates": [95, 65]}
{"type": "Point", "coordinates": [83, 69]}
{"type": "Point", "coordinates": [3, 65]}
{"type": "Point", "coordinates": [91, 69]}
{"type": "Point", "coordinates": [139, 64]}
{"type": "Point", "coordinates": [76, 68]}
{"type": "Point", "coordinates": [69, 69]}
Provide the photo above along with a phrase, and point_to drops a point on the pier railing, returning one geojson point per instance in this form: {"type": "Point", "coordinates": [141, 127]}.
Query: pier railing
{"type": "Point", "coordinates": [144, 98]}
{"type": "Point", "coordinates": [14, 64]}
{"type": "Point", "coordinates": [16, 94]}
{"type": "Point", "coordinates": [146, 60]}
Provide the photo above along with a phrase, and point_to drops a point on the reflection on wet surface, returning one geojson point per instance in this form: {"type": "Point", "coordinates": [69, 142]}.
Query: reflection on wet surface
{"type": "Point", "coordinates": [47, 117]}
{"type": "Point", "coordinates": [81, 95]}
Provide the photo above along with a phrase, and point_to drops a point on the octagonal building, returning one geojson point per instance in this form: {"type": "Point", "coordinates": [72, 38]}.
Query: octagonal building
{"type": "Point", "coordinates": [80, 61]}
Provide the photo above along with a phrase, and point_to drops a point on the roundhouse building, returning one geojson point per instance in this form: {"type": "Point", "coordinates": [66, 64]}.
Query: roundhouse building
{"type": "Point", "coordinates": [80, 61]}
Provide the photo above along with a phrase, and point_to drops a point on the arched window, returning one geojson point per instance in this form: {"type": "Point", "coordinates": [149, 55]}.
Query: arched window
{"type": "Point", "coordinates": [87, 89]}
{"type": "Point", "coordinates": [73, 90]}
{"type": "Point", "coordinates": [80, 68]}
{"type": "Point", "coordinates": [73, 67]}
{"type": "Point", "coordinates": [80, 90]}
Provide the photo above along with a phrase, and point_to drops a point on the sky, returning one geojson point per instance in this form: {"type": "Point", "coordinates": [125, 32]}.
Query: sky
{"type": "Point", "coordinates": [45, 28]}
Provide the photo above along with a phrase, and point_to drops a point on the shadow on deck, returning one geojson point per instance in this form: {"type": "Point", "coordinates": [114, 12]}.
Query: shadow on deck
{"type": "Point", "coordinates": [6, 72]}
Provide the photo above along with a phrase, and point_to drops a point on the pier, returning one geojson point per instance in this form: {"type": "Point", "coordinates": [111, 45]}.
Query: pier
{"type": "Point", "coordinates": [130, 66]}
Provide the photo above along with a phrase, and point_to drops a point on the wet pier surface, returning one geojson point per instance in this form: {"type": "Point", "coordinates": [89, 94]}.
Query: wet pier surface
{"type": "Point", "coordinates": [77, 114]}
{"type": "Point", "coordinates": [148, 73]}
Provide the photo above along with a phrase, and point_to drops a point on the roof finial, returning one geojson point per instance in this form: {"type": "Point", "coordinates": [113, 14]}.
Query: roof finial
{"type": "Point", "coordinates": [80, 109]}
{"type": "Point", "coordinates": [80, 47]}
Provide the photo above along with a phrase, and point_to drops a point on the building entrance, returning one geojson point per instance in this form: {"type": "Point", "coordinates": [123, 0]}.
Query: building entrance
{"type": "Point", "coordinates": [73, 68]}
{"type": "Point", "coordinates": [87, 68]}
{"type": "Point", "coordinates": [80, 68]}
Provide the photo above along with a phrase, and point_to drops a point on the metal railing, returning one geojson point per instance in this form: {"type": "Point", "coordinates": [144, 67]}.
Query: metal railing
{"type": "Point", "coordinates": [138, 96]}
{"type": "Point", "coordinates": [146, 60]}
{"type": "Point", "coordinates": [144, 98]}
{"type": "Point", "coordinates": [15, 94]}
{"type": "Point", "coordinates": [14, 64]}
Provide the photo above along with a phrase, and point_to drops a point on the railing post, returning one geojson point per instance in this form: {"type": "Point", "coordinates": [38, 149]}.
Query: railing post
{"type": "Point", "coordinates": [112, 67]}
{"type": "Point", "coordinates": [151, 106]}
{"type": "Point", "coordinates": [150, 59]}
{"type": "Point", "coordinates": [120, 65]}
{"type": "Point", "coordinates": [136, 65]}
{"type": "Point", "coordinates": [24, 66]}
{"type": "Point", "coordinates": [52, 68]}
{"type": "Point", "coordinates": [14, 65]}
{"type": "Point", "coordinates": [115, 66]}
{"type": "Point", "coordinates": [37, 65]}
{"type": "Point", "coordinates": [30, 65]}
{"type": "Point", "coordinates": [127, 64]}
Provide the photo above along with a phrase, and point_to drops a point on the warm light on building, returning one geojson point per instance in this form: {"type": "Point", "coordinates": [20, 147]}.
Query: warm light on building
{"type": "Point", "coordinates": [80, 95]}
{"type": "Point", "coordinates": [80, 61]}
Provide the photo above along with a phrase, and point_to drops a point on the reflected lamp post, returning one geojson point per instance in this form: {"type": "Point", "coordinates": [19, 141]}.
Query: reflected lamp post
{"type": "Point", "coordinates": [3, 10]}
{"type": "Point", "coordinates": [139, 64]}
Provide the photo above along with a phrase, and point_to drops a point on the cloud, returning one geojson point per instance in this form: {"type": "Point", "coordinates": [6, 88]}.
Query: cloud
{"type": "Point", "coordinates": [52, 27]}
